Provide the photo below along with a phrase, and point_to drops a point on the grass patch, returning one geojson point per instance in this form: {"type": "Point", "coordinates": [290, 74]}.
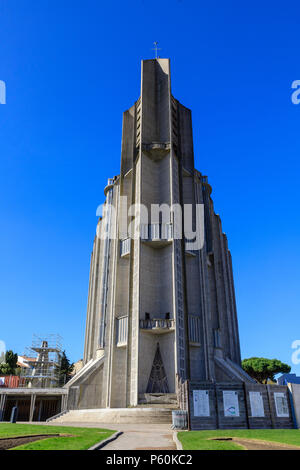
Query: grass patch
{"type": "Point", "coordinates": [199, 440]}
{"type": "Point", "coordinates": [83, 439]}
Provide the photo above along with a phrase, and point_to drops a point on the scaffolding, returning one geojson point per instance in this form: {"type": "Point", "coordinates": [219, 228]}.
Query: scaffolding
{"type": "Point", "coordinates": [43, 361]}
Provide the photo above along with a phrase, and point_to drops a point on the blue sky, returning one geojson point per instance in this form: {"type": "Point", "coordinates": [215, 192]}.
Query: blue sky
{"type": "Point", "coordinates": [71, 68]}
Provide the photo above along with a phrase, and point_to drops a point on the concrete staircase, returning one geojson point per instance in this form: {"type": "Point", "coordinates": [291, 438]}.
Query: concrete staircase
{"type": "Point", "coordinates": [138, 415]}
{"type": "Point", "coordinates": [165, 399]}
{"type": "Point", "coordinates": [153, 408]}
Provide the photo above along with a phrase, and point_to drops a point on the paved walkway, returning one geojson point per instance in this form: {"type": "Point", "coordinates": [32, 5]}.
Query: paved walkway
{"type": "Point", "coordinates": [135, 436]}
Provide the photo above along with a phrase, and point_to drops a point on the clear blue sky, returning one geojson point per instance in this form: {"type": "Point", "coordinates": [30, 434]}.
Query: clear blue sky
{"type": "Point", "coordinates": [71, 68]}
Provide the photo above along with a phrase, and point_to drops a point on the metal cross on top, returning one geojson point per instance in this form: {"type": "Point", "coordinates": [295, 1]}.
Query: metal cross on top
{"type": "Point", "coordinates": [156, 48]}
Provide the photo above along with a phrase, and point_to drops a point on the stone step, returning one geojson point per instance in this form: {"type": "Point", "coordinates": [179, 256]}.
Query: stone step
{"type": "Point", "coordinates": [165, 406]}
{"type": "Point", "coordinates": [142, 415]}
{"type": "Point", "coordinates": [158, 398]}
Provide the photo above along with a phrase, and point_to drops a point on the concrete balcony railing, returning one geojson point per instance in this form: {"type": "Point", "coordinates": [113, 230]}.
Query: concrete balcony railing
{"type": "Point", "coordinates": [157, 325]}
{"type": "Point", "coordinates": [110, 185]}
{"type": "Point", "coordinates": [157, 234]}
{"type": "Point", "coordinates": [125, 247]}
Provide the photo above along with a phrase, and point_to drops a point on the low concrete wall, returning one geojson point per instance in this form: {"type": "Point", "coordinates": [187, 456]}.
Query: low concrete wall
{"type": "Point", "coordinates": [240, 406]}
{"type": "Point", "coordinates": [295, 391]}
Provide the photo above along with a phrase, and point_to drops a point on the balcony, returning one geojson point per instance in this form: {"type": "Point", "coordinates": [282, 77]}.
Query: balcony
{"type": "Point", "coordinates": [125, 247]}
{"type": "Point", "coordinates": [157, 234]}
{"type": "Point", "coordinates": [110, 185]}
{"type": "Point", "coordinates": [157, 326]}
{"type": "Point", "coordinates": [156, 150]}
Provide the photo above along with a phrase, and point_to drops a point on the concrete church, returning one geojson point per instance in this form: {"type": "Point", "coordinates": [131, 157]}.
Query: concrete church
{"type": "Point", "coordinates": [157, 310]}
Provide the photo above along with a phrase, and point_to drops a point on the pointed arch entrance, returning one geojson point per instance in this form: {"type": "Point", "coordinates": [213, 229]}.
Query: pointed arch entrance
{"type": "Point", "coordinates": [158, 382]}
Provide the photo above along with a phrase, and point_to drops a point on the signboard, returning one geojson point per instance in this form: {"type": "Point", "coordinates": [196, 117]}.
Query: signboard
{"type": "Point", "coordinates": [201, 403]}
{"type": "Point", "coordinates": [281, 404]}
{"type": "Point", "coordinates": [2, 381]}
{"type": "Point", "coordinates": [256, 404]}
{"type": "Point", "coordinates": [231, 403]}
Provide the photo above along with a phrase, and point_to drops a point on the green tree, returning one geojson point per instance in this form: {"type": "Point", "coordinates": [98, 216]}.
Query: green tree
{"type": "Point", "coordinates": [262, 369]}
{"type": "Point", "coordinates": [5, 369]}
{"type": "Point", "coordinates": [11, 359]}
{"type": "Point", "coordinates": [10, 364]}
{"type": "Point", "coordinates": [66, 369]}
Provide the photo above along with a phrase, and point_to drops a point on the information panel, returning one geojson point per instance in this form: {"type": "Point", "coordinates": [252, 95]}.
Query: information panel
{"type": "Point", "coordinates": [201, 403]}
{"type": "Point", "coordinates": [231, 403]}
{"type": "Point", "coordinates": [281, 404]}
{"type": "Point", "coordinates": [256, 404]}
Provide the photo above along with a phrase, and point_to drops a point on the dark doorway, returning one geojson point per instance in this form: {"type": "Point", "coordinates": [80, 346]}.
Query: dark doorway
{"type": "Point", "coordinates": [158, 382]}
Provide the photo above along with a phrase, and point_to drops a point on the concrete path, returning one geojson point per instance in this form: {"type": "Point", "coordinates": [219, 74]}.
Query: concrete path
{"type": "Point", "coordinates": [135, 436]}
{"type": "Point", "coordinates": [143, 439]}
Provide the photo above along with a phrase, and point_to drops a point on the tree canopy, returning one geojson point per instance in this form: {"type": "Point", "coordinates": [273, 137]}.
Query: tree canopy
{"type": "Point", "coordinates": [66, 369]}
{"type": "Point", "coordinates": [262, 369]}
{"type": "Point", "coordinates": [10, 364]}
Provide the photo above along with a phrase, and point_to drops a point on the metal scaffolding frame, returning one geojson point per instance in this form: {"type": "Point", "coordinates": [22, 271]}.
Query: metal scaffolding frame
{"type": "Point", "coordinates": [43, 359]}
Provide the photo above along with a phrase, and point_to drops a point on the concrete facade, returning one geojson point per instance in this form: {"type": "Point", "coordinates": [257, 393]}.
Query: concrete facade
{"type": "Point", "coordinates": [156, 310]}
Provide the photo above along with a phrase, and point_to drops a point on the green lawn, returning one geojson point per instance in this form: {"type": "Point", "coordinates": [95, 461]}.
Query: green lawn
{"type": "Point", "coordinates": [82, 440]}
{"type": "Point", "coordinates": [199, 440]}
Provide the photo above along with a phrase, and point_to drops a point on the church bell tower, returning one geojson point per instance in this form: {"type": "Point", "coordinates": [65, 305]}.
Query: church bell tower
{"type": "Point", "coordinates": [159, 309]}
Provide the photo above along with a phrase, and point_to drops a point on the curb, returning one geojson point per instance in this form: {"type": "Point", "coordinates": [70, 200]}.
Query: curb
{"type": "Point", "coordinates": [101, 444]}
{"type": "Point", "coordinates": [177, 441]}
